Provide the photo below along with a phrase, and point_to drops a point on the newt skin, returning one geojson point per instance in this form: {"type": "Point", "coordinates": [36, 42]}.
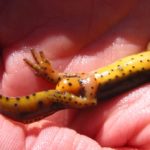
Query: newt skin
{"type": "Point", "coordinates": [76, 90]}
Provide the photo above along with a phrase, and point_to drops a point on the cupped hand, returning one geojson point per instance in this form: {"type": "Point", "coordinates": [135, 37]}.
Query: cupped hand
{"type": "Point", "coordinates": [77, 36]}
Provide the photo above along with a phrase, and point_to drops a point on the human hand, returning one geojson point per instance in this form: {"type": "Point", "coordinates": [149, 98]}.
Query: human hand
{"type": "Point", "coordinates": [76, 36]}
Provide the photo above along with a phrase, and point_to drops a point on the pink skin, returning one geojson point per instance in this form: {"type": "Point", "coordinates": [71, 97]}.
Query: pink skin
{"type": "Point", "coordinates": [77, 36]}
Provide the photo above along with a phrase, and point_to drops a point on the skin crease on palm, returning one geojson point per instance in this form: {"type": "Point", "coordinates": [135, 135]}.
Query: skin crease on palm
{"type": "Point", "coordinates": [76, 36]}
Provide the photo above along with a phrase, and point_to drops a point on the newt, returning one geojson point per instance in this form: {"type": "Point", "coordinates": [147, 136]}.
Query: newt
{"type": "Point", "coordinates": [75, 90]}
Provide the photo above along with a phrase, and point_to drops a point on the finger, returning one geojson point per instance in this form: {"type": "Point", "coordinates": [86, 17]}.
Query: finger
{"type": "Point", "coordinates": [10, 133]}
{"type": "Point", "coordinates": [33, 66]}
{"type": "Point", "coordinates": [42, 56]}
{"type": "Point", "coordinates": [36, 57]}
{"type": "Point", "coordinates": [55, 138]}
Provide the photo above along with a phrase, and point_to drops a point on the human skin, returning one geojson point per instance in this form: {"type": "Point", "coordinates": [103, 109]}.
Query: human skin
{"type": "Point", "coordinates": [76, 36]}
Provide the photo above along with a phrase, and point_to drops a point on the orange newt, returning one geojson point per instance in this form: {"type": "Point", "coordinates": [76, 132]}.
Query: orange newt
{"type": "Point", "coordinates": [77, 90]}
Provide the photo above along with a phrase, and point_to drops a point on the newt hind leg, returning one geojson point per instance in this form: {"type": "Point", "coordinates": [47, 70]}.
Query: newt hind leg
{"type": "Point", "coordinates": [42, 67]}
